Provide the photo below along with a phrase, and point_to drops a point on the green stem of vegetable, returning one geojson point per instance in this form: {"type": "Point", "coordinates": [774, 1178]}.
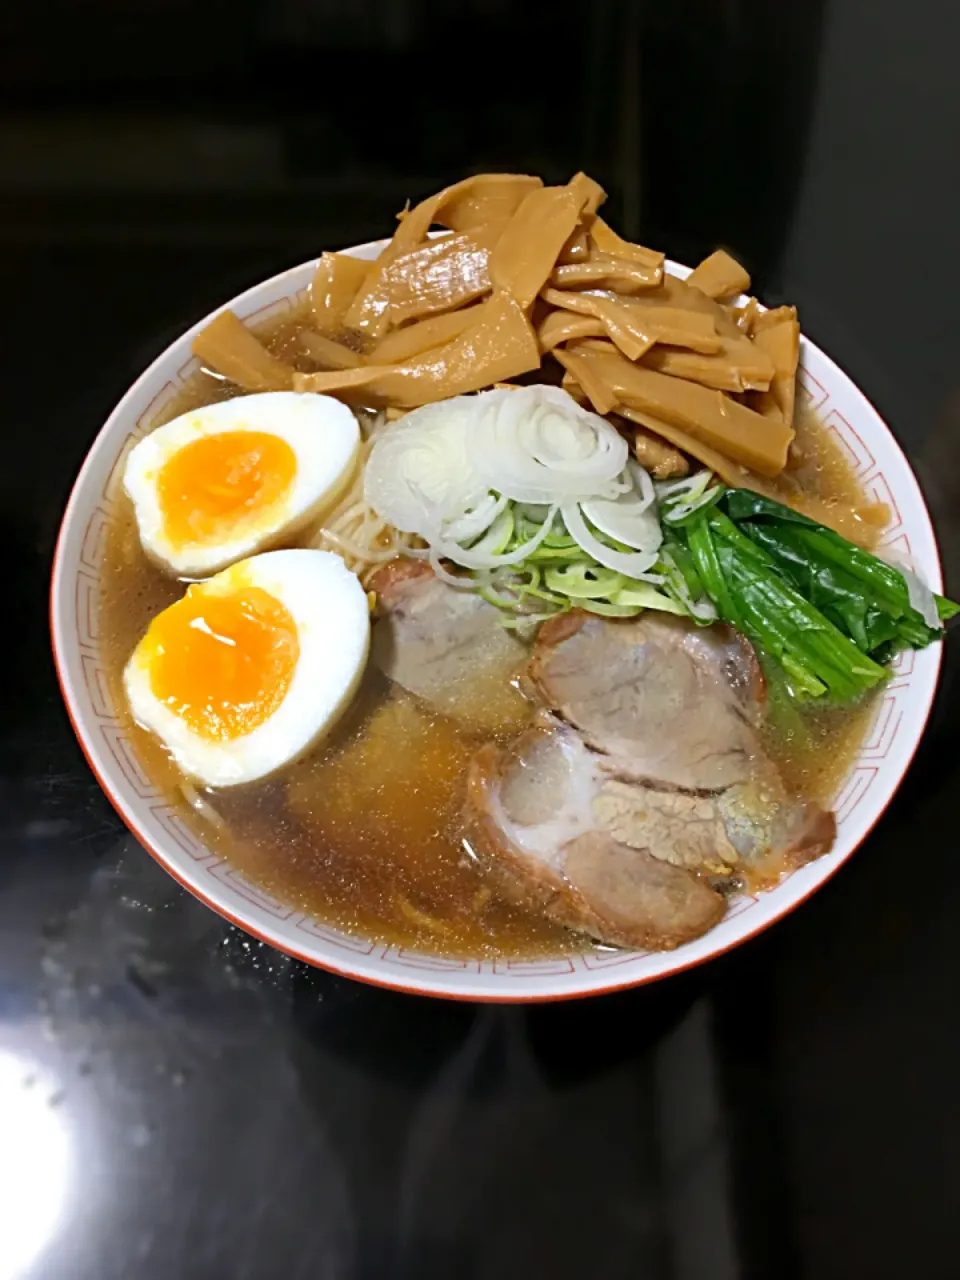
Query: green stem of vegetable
{"type": "Point", "coordinates": [675, 557]}
{"type": "Point", "coordinates": [707, 565]}
{"type": "Point", "coordinates": [782, 709]}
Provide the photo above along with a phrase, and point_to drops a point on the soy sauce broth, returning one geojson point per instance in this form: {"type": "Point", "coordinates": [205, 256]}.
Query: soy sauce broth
{"type": "Point", "coordinates": [364, 833]}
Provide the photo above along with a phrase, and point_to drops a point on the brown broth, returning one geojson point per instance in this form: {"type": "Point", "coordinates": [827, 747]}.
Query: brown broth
{"type": "Point", "coordinates": [364, 832]}
{"type": "Point", "coordinates": [815, 756]}
{"type": "Point", "coordinates": [820, 465]}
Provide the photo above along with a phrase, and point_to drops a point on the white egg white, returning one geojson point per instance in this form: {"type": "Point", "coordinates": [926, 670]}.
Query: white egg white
{"type": "Point", "coordinates": [332, 617]}
{"type": "Point", "coordinates": [323, 434]}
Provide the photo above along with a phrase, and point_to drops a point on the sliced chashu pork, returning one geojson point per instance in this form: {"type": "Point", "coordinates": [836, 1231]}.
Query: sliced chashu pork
{"type": "Point", "coordinates": [448, 647]}
{"type": "Point", "coordinates": [673, 702]}
{"type": "Point", "coordinates": [645, 775]}
{"type": "Point", "coordinates": [676, 708]}
{"type": "Point", "coordinates": [531, 819]}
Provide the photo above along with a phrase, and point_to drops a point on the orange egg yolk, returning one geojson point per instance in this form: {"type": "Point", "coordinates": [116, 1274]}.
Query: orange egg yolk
{"type": "Point", "coordinates": [221, 662]}
{"type": "Point", "coordinates": [217, 483]}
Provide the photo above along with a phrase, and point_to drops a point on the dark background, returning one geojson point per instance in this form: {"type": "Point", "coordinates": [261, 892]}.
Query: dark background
{"type": "Point", "coordinates": [787, 1111]}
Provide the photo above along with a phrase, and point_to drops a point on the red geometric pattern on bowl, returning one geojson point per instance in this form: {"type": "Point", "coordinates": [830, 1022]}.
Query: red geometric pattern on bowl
{"type": "Point", "coordinates": [178, 843]}
{"type": "Point", "coordinates": [560, 966]}
{"type": "Point", "coordinates": [334, 938]}
{"type": "Point", "coordinates": [87, 609]}
{"type": "Point", "coordinates": [171, 820]}
{"type": "Point", "coordinates": [228, 875]}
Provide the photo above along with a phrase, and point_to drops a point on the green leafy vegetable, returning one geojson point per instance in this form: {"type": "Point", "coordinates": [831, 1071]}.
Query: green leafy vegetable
{"type": "Point", "coordinates": [866, 597]}
{"type": "Point", "coordinates": [829, 613]}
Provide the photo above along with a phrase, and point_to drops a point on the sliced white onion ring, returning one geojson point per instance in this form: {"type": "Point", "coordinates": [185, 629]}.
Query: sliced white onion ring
{"type": "Point", "coordinates": [634, 565]}
{"type": "Point", "coordinates": [693, 485]}
{"type": "Point", "coordinates": [477, 560]}
{"type": "Point", "coordinates": [537, 445]}
{"type": "Point", "coordinates": [476, 522]}
{"type": "Point", "coordinates": [451, 579]}
{"type": "Point", "coordinates": [630, 518]}
{"type": "Point", "coordinates": [642, 480]}
{"type": "Point", "coordinates": [418, 476]}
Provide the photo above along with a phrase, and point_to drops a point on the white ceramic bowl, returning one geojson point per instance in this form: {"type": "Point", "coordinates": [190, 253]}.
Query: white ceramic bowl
{"type": "Point", "coordinates": [158, 825]}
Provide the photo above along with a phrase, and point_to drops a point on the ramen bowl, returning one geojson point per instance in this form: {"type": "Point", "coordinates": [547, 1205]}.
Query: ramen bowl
{"type": "Point", "coordinates": [888, 747]}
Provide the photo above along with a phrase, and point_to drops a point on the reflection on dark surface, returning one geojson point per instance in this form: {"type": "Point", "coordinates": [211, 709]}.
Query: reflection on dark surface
{"type": "Point", "coordinates": [179, 1100]}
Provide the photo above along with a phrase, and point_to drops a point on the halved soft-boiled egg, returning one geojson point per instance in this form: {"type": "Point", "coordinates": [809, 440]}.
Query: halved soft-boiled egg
{"type": "Point", "coordinates": [250, 667]}
{"type": "Point", "coordinates": [220, 483]}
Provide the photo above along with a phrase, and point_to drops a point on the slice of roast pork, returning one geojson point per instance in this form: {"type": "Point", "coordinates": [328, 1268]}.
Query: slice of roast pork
{"type": "Point", "coordinates": [531, 819]}
{"type": "Point", "coordinates": [448, 647]}
{"type": "Point", "coordinates": [645, 784]}
{"type": "Point", "coordinates": [674, 703]}
{"type": "Point", "coordinates": [676, 707]}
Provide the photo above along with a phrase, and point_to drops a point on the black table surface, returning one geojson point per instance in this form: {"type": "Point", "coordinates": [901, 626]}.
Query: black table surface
{"type": "Point", "coordinates": [179, 1100]}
